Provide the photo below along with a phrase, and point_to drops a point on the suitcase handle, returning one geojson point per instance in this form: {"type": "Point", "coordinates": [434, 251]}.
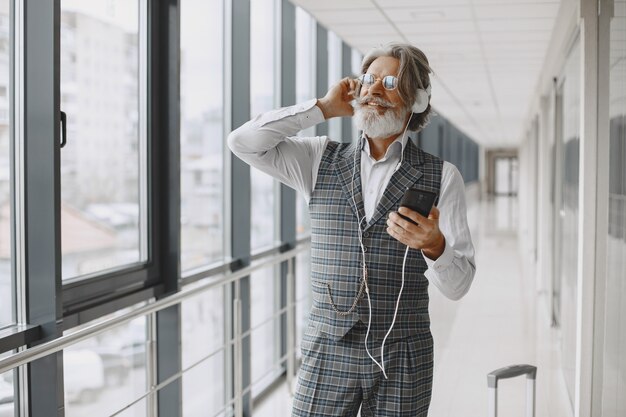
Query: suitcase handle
{"type": "Point", "coordinates": [511, 372]}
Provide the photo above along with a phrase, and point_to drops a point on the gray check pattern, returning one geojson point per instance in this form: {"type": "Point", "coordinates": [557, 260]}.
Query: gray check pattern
{"type": "Point", "coordinates": [337, 377]}
{"type": "Point", "coordinates": [336, 254]}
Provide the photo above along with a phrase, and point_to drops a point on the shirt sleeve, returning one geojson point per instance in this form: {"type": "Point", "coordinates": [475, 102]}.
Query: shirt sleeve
{"type": "Point", "coordinates": [453, 272]}
{"type": "Point", "coordinates": [267, 143]}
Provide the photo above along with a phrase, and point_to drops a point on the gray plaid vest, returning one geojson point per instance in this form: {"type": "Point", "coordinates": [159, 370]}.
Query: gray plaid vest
{"type": "Point", "coordinates": [336, 258]}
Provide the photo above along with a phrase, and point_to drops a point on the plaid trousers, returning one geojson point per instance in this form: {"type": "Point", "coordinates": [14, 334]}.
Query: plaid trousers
{"type": "Point", "coordinates": [338, 377]}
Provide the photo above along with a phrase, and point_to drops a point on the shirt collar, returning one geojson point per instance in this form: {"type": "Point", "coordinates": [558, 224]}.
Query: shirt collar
{"type": "Point", "coordinates": [396, 148]}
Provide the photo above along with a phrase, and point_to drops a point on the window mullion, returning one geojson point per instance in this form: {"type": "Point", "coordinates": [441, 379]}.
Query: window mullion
{"type": "Point", "coordinates": [41, 196]}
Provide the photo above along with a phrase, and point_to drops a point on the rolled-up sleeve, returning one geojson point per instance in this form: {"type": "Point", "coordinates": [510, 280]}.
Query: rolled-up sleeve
{"type": "Point", "coordinates": [453, 272]}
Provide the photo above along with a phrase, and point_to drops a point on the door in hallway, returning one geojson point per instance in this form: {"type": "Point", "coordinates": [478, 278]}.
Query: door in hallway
{"type": "Point", "coordinates": [506, 176]}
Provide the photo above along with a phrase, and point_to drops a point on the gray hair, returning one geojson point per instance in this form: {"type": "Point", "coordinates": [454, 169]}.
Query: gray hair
{"type": "Point", "coordinates": [413, 75]}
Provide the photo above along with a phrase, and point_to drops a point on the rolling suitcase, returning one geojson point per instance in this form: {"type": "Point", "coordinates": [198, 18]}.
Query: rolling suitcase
{"type": "Point", "coordinates": [511, 372]}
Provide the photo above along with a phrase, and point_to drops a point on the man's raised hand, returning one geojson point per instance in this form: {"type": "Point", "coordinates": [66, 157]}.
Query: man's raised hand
{"type": "Point", "coordinates": [336, 102]}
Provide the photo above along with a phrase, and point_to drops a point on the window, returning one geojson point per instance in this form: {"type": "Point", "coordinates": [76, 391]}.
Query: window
{"type": "Point", "coordinates": [355, 64]}
{"type": "Point", "coordinates": [262, 99]}
{"type": "Point", "coordinates": [304, 296]}
{"type": "Point", "coordinates": [356, 59]}
{"type": "Point", "coordinates": [334, 76]}
{"type": "Point", "coordinates": [305, 54]}
{"type": "Point", "coordinates": [265, 328]}
{"type": "Point", "coordinates": [107, 372]}
{"type": "Point", "coordinates": [305, 90]}
{"type": "Point", "coordinates": [7, 394]}
{"type": "Point", "coordinates": [201, 132]}
{"type": "Point", "coordinates": [103, 165]}
{"type": "Point", "coordinates": [614, 368]}
{"type": "Point", "coordinates": [7, 312]}
{"type": "Point", "coordinates": [568, 205]}
{"type": "Point", "coordinates": [202, 319]}
{"type": "Point", "coordinates": [264, 333]}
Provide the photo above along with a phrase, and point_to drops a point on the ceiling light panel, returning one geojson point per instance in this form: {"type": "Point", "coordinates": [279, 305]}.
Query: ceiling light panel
{"type": "Point", "coordinates": [332, 4]}
{"type": "Point", "coordinates": [355, 16]}
{"type": "Point", "coordinates": [369, 41]}
{"type": "Point", "coordinates": [516, 25]}
{"type": "Point", "coordinates": [419, 3]}
{"type": "Point", "coordinates": [371, 30]}
{"type": "Point", "coordinates": [433, 28]}
{"type": "Point", "coordinates": [529, 3]}
{"type": "Point", "coordinates": [516, 11]}
{"type": "Point", "coordinates": [433, 14]}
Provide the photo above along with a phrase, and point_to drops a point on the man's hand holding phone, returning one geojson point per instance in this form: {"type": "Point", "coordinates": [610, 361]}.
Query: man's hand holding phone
{"type": "Point", "coordinates": [417, 231]}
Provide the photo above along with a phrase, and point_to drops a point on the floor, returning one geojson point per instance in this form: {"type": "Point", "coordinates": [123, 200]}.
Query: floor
{"type": "Point", "coordinates": [501, 321]}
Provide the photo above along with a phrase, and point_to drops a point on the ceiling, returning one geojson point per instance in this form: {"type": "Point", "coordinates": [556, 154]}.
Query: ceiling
{"type": "Point", "coordinates": [486, 54]}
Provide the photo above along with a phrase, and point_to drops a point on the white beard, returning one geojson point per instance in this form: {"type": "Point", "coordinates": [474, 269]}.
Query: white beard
{"type": "Point", "coordinates": [376, 126]}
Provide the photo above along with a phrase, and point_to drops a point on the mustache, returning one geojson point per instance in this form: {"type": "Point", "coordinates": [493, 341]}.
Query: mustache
{"type": "Point", "coordinates": [361, 101]}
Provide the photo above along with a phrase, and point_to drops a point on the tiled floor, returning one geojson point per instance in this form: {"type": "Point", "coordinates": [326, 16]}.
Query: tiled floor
{"type": "Point", "coordinates": [500, 322]}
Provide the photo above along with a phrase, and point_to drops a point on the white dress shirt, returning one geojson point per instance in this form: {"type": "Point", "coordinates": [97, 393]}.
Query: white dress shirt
{"type": "Point", "coordinates": [268, 143]}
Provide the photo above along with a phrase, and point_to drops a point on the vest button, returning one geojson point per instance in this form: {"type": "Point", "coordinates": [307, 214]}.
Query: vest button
{"type": "Point", "coordinates": [364, 248]}
{"type": "Point", "coordinates": [366, 234]}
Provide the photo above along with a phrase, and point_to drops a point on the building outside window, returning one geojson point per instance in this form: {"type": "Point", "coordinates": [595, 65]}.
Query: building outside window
{"type": "Point", "coordinates": [265, 325]}
{"type": "Point", "coordinates": [103, 165]}
{"type": "Point", "coordinates": [7, 293]}
{"type": "Point", "coordinates": [202, 133]}
{"type": "Point", "coordinates": [334, 76]}
{"type": "Point", "coordinates": [263, 32]}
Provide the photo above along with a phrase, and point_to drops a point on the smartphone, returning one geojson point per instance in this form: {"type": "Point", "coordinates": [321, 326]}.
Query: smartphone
{"type": "Point", "coordinates": [418, 200]}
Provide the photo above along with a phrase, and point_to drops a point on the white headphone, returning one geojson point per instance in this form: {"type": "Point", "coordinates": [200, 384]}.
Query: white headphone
{"type": "Point", "coordinates": [421, 100]}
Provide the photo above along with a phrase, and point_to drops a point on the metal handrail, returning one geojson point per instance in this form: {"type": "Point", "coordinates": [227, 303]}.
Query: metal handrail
{"type": "Point", "coordinates": [60, 343]}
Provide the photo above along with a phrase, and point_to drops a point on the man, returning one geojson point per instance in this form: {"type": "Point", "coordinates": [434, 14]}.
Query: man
{"type": "Point", "coordinates": [368, 343]}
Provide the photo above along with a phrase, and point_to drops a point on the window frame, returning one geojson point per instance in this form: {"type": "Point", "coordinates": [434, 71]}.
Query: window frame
{"type": "Point", "coordinates": [92, 296]}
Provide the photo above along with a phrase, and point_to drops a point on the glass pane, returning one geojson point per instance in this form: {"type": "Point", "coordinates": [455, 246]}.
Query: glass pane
{"type": "Point", "coordinates": [137, 410]}
{"type": "Point", "coordinates": [263, 199]}
{"type": "Point", "coordinates": [305, 50]}
{"type": "Point", "coordinates": [305, 90]}
{"type": "Point", "coordinates": [264, 305]}
{"type": "Point", "coordinates": [303, 295]}
{"type": "Point", "coordinates": [262, 298]}
{"type": "Point", "coordinates": [356, 62]}
{"type": "Point", "coordinates": [204, 388]}
{"type": "Point", "coordinates": [614, 369]}
{"type": "Point", "coordinates": [202, 325]}
{"type": "Point", "coordinates": [569, 214]}
{"type": "Point", "coordinates": [105, 373]}
{"type": "Point", "coordinates": [103, 163]}
{"type": "Point", "coordinates": [7, 312]}
{"type": "Point", "coordinates": [202, 336]}
{"type": "Point", "coordinates": [8, 399]}
{"type": "Point", "coordinates": [201, 132]}
{"type": "Point", "coordinates": [265, 365]}
{"type": "Point", "coordinates": [303, 218]}
{"type": "Point", "coordinates": [262, 99]}
{"type": "Point", "coordinates": [356, 71]}
{"type": "Point", "coordinates": [334, 75]}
